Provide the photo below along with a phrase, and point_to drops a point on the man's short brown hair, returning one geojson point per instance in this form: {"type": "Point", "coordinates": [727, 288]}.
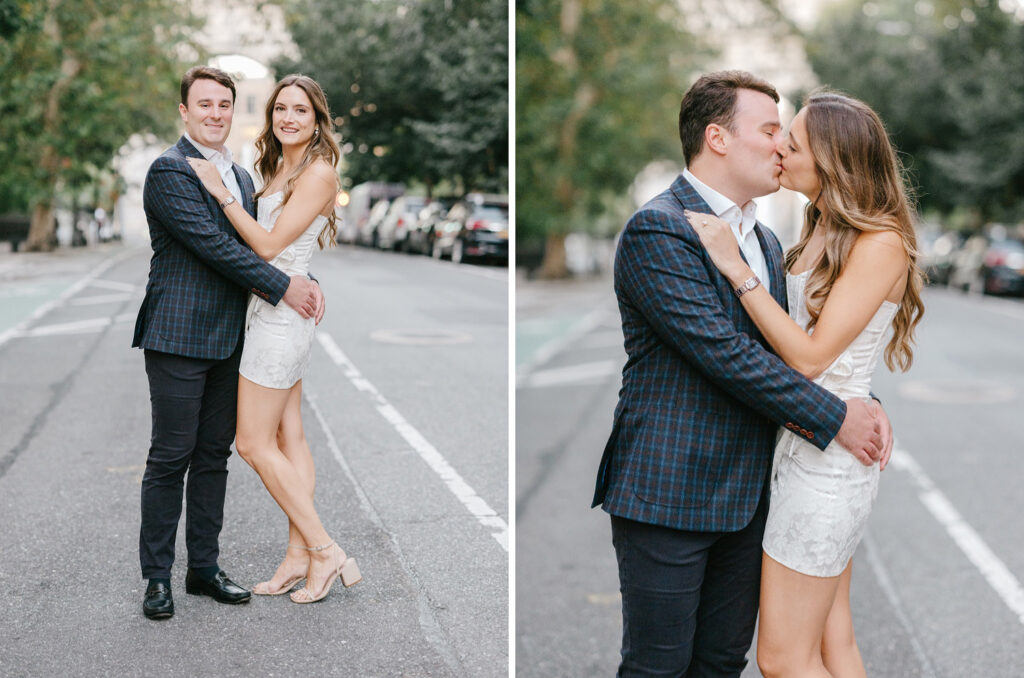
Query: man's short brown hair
{"type": "Point", "coordinates": [205, 73]}
{"type": "Point", "coordinates": [712, 100]}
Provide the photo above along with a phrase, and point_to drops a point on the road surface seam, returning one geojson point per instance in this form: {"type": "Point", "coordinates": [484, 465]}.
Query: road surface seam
{"type": "Point", "coordinates": [885, 582]}
{"type": "Point", "coordinates": [430, 625]}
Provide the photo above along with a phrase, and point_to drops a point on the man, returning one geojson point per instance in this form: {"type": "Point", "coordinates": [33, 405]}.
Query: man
{"type": "Point", "coordinates": [191, 325]}
{"type": "Point", "coordinates": [685, 472]}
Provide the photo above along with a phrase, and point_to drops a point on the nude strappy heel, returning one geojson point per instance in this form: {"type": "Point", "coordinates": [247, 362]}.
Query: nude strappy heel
{"type": "Point", "coordinates": [348, 570]}
{"type": "Point", "coordinates": [285, 587]}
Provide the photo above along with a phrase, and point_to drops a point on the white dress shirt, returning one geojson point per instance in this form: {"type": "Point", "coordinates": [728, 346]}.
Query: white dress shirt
{"type": "Point", "coordinates": [741, 219]}
{"type": "Point", "coordinates": [222, 161]}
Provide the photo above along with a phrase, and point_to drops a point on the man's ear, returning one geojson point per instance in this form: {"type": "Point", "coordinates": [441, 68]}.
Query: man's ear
{"type": "Point", "coordinates": [182, 110]}
{"type": "Point", "coordinates": [716, 138]}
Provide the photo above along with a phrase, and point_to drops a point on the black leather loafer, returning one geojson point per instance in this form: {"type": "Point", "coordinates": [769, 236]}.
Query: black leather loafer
{"type": "Point", "coordinates": [220, 588]}
{"type": "Point", "coordinates": [158, 603]}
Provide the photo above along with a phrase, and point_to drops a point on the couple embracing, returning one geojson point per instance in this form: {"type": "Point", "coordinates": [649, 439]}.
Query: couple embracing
{"type": "Point", "coordinates": [729, 401]}
{"type": "Point", "coordinates": [227, 327]}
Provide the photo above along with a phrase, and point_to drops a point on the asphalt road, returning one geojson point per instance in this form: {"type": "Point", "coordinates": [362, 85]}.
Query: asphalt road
{"type": "Point", "coordinates": [406, 411]}
{"type": "Point", "coordinates": [937, 582]}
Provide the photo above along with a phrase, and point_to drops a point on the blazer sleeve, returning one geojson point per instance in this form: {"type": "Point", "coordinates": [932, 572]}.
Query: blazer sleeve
{"type": "Point", "coordinates": [663, 270]}
{"type": "Point", "coordinates": [173, 196]}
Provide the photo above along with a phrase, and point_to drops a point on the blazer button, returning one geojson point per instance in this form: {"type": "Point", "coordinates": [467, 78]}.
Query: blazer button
{"type": "Point", "coordinates": [789, 425]}
{"type": "Point", "coordinates": [810, 435]}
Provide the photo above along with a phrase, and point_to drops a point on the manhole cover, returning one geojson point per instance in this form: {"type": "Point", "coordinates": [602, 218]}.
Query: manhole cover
{"type": "Point", "coordinates": [957, 392]}
{"type": "Point", "coordinates": [420, 337]}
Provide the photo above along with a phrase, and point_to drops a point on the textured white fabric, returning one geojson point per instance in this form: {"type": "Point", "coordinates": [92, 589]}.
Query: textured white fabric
{"type": "Point", "coordinates": [278, 340]}
{"type": "Point", "coordinates": [821, 500]}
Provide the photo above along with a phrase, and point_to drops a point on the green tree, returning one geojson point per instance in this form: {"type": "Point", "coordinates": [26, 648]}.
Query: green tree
{"type": "Point", "coordinates": [79, 78]}
{"type": "Point", "coordinates": [598, 84]}
{"type": "Point", "coordinates": [420, 89]}
{"type": "Point", "coordinates": [948, 80]}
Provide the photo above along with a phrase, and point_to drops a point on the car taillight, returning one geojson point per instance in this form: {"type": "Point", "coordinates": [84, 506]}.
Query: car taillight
{"type": "Point", "coordinates": [478, 224]}
{"type": "Point", "coordinates": [995, 259]}
{"type": "Point", "coordinates": [400, 221]}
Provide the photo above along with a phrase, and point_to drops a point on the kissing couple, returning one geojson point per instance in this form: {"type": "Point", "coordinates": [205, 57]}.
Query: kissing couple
{"type": "Point", "coordinates": [746, 447]}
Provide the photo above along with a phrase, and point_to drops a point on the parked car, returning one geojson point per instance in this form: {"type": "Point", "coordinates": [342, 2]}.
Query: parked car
{"type": "Point", "coordinates": [476, 227]}
{"type": "Point", "coordinates": [421, 233]}
{"type": "Point", "coordinates": [1002, 268]}
{"type": "Point", "coordinates": [14, 229]}
{"type": "Point", "coordinates": [360, 200]}
{"type": "Point", "coordinates": [368, 230]}
{"type": "Point", "coordinates": [393, 232]}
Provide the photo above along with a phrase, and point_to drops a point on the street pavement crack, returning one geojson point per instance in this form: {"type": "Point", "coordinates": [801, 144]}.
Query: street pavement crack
{"type": "Point", "coordinates": [59, 391]}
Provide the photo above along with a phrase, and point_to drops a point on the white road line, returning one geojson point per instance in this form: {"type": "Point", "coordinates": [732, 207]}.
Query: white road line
{"type": "Point", "coordinates": [77, 327]}
{"type": "Point", "coordinates": [484, 514]}
{"type": "Point", "coordinates": [885, 581]}
{"type": "Point", "coordinates": [558, 344]}
{"type": "Point", "coordinates": [99, 299]}
{"type": "Point", "coordinates": [572, 374]}
{"type": "Point", "coordinates": [90, 278]}
{"type": "Point", "coordinates": [999, 577]}
{"type": "Point", "coordinates": [114, 285]}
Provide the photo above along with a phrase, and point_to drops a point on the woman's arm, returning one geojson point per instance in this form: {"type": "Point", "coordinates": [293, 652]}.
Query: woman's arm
{"type": "Point", "coordinates": [877, 262]}
{"type": "Point", "coordinates": [314, 188]}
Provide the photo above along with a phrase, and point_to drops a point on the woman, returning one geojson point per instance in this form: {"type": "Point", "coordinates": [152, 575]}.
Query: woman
{"type": "Point", "coordinates": [297, 155]}
{"type": "Point", "coordinates": [852, 275]}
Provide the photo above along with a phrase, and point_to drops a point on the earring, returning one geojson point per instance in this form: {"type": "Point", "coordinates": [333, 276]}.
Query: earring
{"type": "Point", "coordinates": [316, 131]}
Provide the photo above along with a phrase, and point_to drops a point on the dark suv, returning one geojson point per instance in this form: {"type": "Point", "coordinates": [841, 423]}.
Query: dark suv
{"type": "Point", "coordinates": [477, 228]}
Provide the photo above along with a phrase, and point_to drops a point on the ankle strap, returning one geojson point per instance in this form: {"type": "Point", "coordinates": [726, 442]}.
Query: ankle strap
{"type": "Point", "coordinates": [320, 548]}
{"type": "Point", "coordinates": [311, 548]}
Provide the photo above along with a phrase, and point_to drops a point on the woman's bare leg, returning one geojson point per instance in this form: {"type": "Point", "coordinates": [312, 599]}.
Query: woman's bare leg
{"type": "Point", "coordinates": [261, 411]}
{"type": "Point", "coordinates": [838, 646]}
{"type": "Point", "coordinates": [794, 608]}
{"type": "Point", "coordinates": [291, 440]}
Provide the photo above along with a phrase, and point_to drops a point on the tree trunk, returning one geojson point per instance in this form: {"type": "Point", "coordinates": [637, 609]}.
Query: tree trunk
{"type": "Point", "coordinates": [553, 266]}
{"type": "Point", "coordinates": [41, 234]}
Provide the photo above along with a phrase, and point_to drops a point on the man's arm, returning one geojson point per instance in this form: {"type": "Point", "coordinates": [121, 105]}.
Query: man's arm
{"type": "Point", "coordinates": [172, 195]}
{"type": "Point", "coordinates": [666, 275]}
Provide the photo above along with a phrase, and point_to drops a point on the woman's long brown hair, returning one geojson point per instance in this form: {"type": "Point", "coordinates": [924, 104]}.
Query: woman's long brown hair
{"type": "Point", "coordinates": [322, 145]}
{"type": "Point", "coordinates": [862, 191]}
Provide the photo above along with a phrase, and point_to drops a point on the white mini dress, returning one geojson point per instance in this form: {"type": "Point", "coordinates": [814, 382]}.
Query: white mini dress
{"type": "Point", "coordinates": [278, 341]}
{"type": "Point", "coordinates": [821, 499]}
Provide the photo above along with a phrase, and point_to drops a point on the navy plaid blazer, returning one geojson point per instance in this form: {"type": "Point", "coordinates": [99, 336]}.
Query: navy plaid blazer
{"type": "Point", "coordinates": [201, 271]}
{"type": "Point", "coordinates": [702, 394]}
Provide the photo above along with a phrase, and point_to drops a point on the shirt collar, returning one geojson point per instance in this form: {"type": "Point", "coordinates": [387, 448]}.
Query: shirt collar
{"type": "Point", "coordinates": [720, 204]}
{"type": "Point", "coordinates": [211, 154]}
